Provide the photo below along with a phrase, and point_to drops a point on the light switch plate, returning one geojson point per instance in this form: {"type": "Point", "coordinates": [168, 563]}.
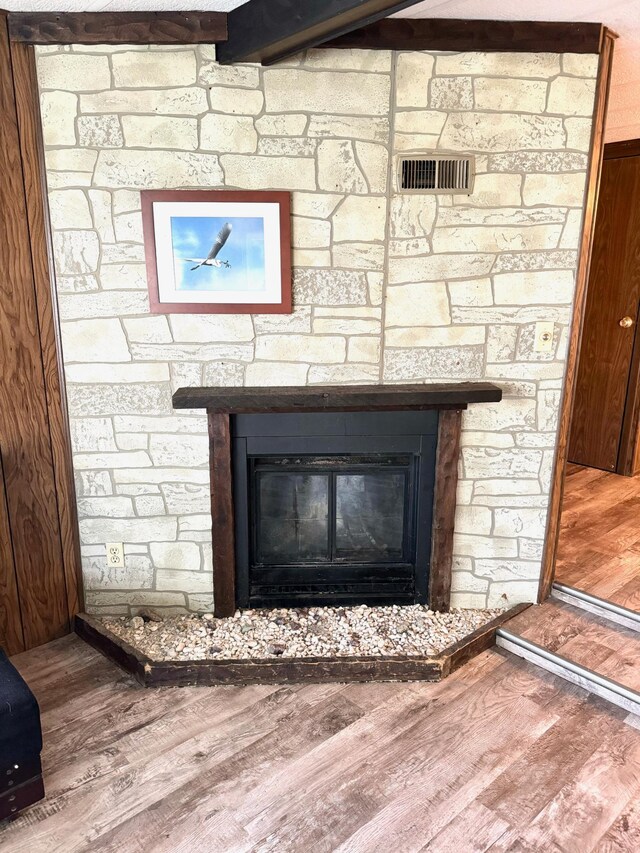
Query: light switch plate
{"type": "Point", "coordinates": [115, 555]}
{"type": "Point", "coordinates": [543, 337]}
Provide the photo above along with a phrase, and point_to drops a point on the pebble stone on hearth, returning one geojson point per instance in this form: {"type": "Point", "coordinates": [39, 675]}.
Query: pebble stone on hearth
{"type": "Point", "coordinates": [300, 632]}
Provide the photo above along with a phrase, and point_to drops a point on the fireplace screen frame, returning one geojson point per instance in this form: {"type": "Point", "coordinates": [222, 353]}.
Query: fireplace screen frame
{"type": "Point", "coordinates": [344, 437]}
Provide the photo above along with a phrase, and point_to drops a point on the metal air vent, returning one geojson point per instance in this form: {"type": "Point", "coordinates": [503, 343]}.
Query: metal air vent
{"type": "Point", "coordinates": [438, 173]}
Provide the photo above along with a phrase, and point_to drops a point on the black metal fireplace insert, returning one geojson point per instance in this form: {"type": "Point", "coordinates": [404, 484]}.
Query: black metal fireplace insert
{"type": "Point", "coordinates": [333, 508]}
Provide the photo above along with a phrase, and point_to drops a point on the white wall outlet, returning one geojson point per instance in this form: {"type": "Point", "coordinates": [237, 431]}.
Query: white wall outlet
{"type": "Point", "coordinates": [543, 337]}
{"type": "Point", "coordinates": [115, 555]}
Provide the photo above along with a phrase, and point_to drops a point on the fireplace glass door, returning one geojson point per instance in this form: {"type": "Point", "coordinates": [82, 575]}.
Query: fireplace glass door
{"type": "Point", "coordinates": [319, 522]}
{"type": "Point", "coordinates": [331, 510]}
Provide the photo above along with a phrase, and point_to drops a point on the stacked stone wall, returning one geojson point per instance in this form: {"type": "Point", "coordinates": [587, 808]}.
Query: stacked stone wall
{"type": "Point", "coordinates": [388, 287]}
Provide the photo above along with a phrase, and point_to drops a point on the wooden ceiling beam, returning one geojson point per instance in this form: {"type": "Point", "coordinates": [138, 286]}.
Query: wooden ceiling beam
{"type": "Point", "coordinates": [118, 27]}
{"type": "Point", "coordinates": [460, 35]}
{"type": "Point", "coordinates": [270, 30]}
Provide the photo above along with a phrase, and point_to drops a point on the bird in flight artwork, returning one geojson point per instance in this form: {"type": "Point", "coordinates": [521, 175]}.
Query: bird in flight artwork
{"type": "Point", "coordinates": [212, 258]}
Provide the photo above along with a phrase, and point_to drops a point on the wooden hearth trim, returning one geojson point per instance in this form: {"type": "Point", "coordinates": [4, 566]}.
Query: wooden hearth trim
{"type": "Point", "coordinates": [206, 673]}
{"type": "Point", "coordinates": [444, 507]}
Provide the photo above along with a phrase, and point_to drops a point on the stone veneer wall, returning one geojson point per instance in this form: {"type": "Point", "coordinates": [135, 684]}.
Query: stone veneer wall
{"type": "Point", "coordinates": [388, 287]}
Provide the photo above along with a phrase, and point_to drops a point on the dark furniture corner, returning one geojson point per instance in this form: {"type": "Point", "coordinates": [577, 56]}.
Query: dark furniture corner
{"type": "Point", "coordinates": [20, 743]}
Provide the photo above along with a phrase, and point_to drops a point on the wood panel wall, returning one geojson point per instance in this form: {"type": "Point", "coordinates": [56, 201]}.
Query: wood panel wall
{"type": "Point", "coordinates": [11, 636]}
{"type": "Point", "coordinates": [32, 150]}
{"type": "Point", "coordinates": [33, 435]}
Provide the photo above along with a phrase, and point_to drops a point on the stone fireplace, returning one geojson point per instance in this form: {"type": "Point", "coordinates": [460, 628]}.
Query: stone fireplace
{"type": "Point", "coordinates": [335, 496]}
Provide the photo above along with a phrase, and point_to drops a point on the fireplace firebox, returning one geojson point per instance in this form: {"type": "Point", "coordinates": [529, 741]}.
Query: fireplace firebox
{"type": "Point", "coordinates": [333, 494]}
{"type": "Point", "coordinates": [333, 508]}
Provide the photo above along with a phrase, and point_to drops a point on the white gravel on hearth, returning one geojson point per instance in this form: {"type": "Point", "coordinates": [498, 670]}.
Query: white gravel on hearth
{"type": "Point", "coordinates": [299, 632]}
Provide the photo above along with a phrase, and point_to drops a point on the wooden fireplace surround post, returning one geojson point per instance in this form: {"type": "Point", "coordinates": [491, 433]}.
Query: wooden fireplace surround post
{"type": "Point", "coordinates": [221, 403]}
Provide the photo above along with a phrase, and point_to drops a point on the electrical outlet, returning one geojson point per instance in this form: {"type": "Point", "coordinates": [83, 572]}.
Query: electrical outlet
{"type": "Point", "coordinates": [115, 555]}
{"type": "Point", "coordinates": [543, 337]}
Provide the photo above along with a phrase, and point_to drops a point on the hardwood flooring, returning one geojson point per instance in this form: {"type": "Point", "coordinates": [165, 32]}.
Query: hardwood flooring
{"type": "Point", "coordinates": [499, 757]}
{"type": "Point", "coordinates": [592, 641]}
{"type": "Point", "coordinates": [599, 545]}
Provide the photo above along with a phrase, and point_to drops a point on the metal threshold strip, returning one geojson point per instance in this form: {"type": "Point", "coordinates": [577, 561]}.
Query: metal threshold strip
{"type": "Point", "coordinates": [598, 606]}
{"type": "Point", "coordinates": [600, 685]}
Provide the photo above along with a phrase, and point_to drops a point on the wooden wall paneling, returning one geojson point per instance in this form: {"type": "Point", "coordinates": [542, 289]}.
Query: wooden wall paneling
{"type": "Point", "coordinates": [11, 636]}
{"type": "Point", "coordinates": [118, 27]}
{"type": "Point", "coordinates": [582, 278]}
{"type": "Point", "coordinates": [222, 534]}
{"type": "Point", "coordinates": [32, 147]}
{"type": "Point", "coordinates": [459, 35]}
{"type": "Point", "coordinates": [24, 428]}
{"type": "Point", "coordinates": [444, 507]}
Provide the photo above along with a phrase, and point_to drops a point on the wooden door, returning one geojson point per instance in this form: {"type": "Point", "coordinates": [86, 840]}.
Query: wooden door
{"type": "Point", "coordinates": [605, 385]}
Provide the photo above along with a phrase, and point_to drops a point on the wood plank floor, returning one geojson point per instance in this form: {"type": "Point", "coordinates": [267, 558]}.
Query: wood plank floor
{"type": "Point", "coordinates": [589, 640]}
{"type": "Point", "coordinates": [499, 757]}
{"type": "Point", "coordinates": [599, 545]}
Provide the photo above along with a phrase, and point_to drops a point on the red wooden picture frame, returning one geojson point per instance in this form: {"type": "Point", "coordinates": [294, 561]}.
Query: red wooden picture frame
{"type": "Point", "coordinates": [283, 199]}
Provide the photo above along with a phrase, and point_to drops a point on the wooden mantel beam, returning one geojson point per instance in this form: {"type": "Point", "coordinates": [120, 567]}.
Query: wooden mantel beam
{"type": "Point", "coordinates": [269, 30]}
{"type": "Point", "coordinates": [118, 27]}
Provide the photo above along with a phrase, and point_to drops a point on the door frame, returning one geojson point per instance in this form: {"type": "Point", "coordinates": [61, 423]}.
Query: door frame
{"type": "Point", "coordinates": [594, 171]}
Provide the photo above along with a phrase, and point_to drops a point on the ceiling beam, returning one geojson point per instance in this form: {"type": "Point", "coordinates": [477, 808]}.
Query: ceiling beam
{"type": "Point", "coordinates": [269, 30]}
{"type": "Point", "coordinates": [458, 35]}
{"type": "Point", "coordinates": [118, 27]}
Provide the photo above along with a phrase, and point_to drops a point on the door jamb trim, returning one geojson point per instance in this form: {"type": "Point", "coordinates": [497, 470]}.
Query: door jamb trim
{"type": "Point", "coordinates": [594, 171]}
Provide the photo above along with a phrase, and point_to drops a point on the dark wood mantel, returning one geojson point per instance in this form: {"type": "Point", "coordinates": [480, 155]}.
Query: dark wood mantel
{"type": "Point", "coordinates": [336, 398]}
{"type": "Point", "coordinates": [221, 403]}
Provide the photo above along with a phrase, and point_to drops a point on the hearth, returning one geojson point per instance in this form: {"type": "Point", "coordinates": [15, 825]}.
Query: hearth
{"type": "Point", "coordinates": [333, 508]}
{"type": "Point", "coordinates": [333, 495]}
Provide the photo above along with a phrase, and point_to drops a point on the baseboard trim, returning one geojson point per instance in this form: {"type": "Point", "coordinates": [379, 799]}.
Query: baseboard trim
{"type": "Point", "coordinates": [600, 685]}
{"type": "Point", "coordinates": [598, 606]}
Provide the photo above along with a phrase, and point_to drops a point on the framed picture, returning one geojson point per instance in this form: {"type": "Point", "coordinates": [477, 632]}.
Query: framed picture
{"type": "Point", "coordinates": [217, 251]}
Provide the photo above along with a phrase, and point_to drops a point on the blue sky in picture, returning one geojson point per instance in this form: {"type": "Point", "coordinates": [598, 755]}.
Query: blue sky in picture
{"type": "Point", "coordinates": [193, 238]}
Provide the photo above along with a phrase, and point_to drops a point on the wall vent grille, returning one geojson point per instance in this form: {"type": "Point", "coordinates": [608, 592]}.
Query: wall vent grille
{"type": "Point", "coordinates": [439, 173]}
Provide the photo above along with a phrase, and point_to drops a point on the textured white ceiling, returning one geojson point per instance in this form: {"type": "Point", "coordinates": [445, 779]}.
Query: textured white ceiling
{"type": "Point", "coordinates": [621, 15]}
